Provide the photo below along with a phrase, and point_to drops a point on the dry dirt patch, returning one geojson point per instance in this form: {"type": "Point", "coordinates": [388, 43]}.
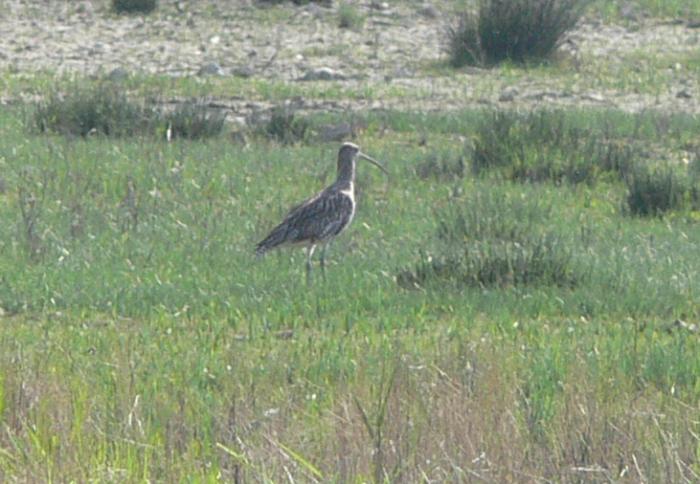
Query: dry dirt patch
{"type": "Point", "coordinates": [399, 45]}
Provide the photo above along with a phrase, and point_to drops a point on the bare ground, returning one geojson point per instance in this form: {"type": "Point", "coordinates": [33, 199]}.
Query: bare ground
{"type": "Point", "coordinates": [398, 45]}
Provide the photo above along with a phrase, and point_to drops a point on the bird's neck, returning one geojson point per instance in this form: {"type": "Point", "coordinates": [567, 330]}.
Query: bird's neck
{"type": "Point", "coordinates": [346, 175]}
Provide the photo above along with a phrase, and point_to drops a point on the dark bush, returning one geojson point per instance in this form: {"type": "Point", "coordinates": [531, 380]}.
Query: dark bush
{"type": "Point", "coordinates": [194, 120]}
{"type": "Point", "coordinates": [284, 126]}
{"type": "Point", "coordinates": [492, 215]}
{"type": "Point", "coordinates": [349, 17]}
{"type": "Point", "coordinates": [516, 30]}
{"type": "Point", "coordinates": [496, 241]}
{"type": "Point", "coordinates": [104, 109]}
{"type": "Point", "coordinates": [543, 260]}
{"type": "Point", "coordinates": [441, 167]}
{"type": "Point", "coordinates": [134, 6]}
{"type": "Point", "coordinates": [655, 191]}
{"type": "Point", "coordinates": [547, 146]}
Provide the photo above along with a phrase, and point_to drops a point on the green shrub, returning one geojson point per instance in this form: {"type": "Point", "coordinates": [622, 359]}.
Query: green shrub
{"type": "Point", "coordinates": [495, 240]}
{"type": "Point", "coordinates": [102, 109]}
{"type": "Point", "coordinates": [441, 167]}
{"type": "Point", "coordinates": [547, 146]}
{"type": "Point", "coordinates": [285, 127]}
{"type": "Point", "coordinates": [536, 261]}
{"type": "Point", "coordinates": [515, 30]}
{"type": "Point", "coordinates": [194, 120]}
{"type": "Point", "coordinates": [134, 6]}
{"type": "Point", "coordinates": [349, 17]}
{"type": "Point", "coordinates": [655, 191]}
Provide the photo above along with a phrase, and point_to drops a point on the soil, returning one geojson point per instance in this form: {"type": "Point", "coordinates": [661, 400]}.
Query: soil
{"type": "Point", "coordinates": [400, 43]}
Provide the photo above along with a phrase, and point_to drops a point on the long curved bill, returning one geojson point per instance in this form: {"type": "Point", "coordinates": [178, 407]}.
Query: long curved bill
{"type": "Point", "coordinates": [374, 162]}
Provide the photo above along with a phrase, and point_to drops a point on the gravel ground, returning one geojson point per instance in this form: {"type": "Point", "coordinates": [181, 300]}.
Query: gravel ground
{"type": "Point", "coordinates": [399, 43]}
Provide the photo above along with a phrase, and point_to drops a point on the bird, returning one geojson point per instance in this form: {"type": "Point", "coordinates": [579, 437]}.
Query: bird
{"type": "Point", "coordinates": [321, 218]}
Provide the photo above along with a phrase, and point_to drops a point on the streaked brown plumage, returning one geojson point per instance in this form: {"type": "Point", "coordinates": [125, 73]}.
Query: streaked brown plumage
{"type": "Point", "coordinates": [325, 215]}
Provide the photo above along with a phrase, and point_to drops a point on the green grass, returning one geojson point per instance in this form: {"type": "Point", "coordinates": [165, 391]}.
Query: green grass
{"type": "Point", "coordinates": [152, 87]}
{"type": "Point", "coordinates": [142, 340]}
{"type": "Point", "coordinates": [654, 8]}
{"type": "Point", "coordinates": [349, 17]}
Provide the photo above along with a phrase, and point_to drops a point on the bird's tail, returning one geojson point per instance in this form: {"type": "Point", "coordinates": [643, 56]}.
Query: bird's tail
{"type": "Point", "coordinates": [260, 250]}
{"type": "Point", "coordinates": [275, 238]}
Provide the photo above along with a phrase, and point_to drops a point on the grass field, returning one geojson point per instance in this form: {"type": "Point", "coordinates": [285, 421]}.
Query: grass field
{"type": "Point", "coordinates": [143, 341]}
{"type": "Point", "coordinates": [517, 302]}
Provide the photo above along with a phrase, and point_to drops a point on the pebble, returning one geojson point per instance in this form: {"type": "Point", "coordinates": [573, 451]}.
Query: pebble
{"type": "Point", "coordinates": [243, 71]}
{"type": "Point", "coordinates": [335, 132]}
{"type": "Point", "coordinates": [428, 10]}
{"type": "Point", "coordinates": [210, 69]}
{"type": "Point", "coordinates": [508, 94]}
{"type": "Point", "coordinates": [322, 74]}
{"type": "Point", "coordinates": [118, 74]}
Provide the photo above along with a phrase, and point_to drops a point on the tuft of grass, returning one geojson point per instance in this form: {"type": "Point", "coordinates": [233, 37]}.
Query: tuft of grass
{"type": "Point", "coordinates": [544, 260]}
{"type": "Point", "coordinates": [134, 6]}
{"type": "Point", "coordinates": [194, 120]}
{"type": "Point", "coordinates": [511, 30]}
{"type": "Point", "coordinates": [441, 167]}
{"type": "Point", "coordinates": [491, 241]}
{"type": "Point", "coordinates": [285, 127]}
{"type": "Point", "coordinates": [548, 146]}
{"type": "Point", "coordinates": [349, 17]}
{"type": "Point", "coordinates": [655, 191]}
{"type": "Point", "coordinates": [102, 109]}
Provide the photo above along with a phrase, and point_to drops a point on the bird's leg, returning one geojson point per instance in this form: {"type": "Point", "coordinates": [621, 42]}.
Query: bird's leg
{"type": "Point", "coordinates": [309, 254]}
{"type": "Point", "coordinates": [323, 259]}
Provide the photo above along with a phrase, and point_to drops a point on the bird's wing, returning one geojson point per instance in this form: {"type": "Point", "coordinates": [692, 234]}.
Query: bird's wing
{"type": "Point", "coordinates": [318, 218]}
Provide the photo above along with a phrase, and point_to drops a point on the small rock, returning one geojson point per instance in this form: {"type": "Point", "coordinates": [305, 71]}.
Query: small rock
{"type": "Point", "coordinates": [118, 74]}
{"type": "Point", "coordinates": [84, 8]}
{"type": "Point", "coordinates": [595, 97]}
{"type": "Point", "coordinates": [271, 412]}
{"type": "Point", "coordinates": [238, 121]}
{"type": "Point", "coordinates": [684, 94]}
{"type": "Point", "coordinates": [680, 324]}
{"type": "Point", "coordinates": [693, 24]}
{"type": "Point", "coordinates": [335, 132]}
{"type": "Point", "coordinates": [379, 5]}
{"type": "Point", "coordinates": [285, 334]}
{"type": "Point", "coordinates": [402, 73]}
{"type": "Point", "coordinates": [322, 74]}
{"type": "Point", "coordinates": [508, 95]}
{"type": "Point", "coordinates": [243, 71]}
{"type": "Point", "coordinates": [628, 11]}
{"type": "Point", "coordinates": [472, 70]}
{"type": "Point", "coordinates": [428, 10]}
{"type": "Point", "coordinates": [97, 49]}
{"type": "Point", "coordinates": [210, 69]}
{"type": "Point", "coordinates": [314, 10]}
{"type": "Point", "coordinates": [214, 39]}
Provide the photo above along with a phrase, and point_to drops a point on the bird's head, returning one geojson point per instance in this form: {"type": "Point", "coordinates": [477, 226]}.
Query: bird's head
{"type": "Point", "coordinates": [348, 156]}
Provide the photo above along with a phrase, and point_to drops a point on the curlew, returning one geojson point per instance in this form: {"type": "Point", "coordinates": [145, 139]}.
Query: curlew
{"type": "Point", "coordinates": [321, 218]}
